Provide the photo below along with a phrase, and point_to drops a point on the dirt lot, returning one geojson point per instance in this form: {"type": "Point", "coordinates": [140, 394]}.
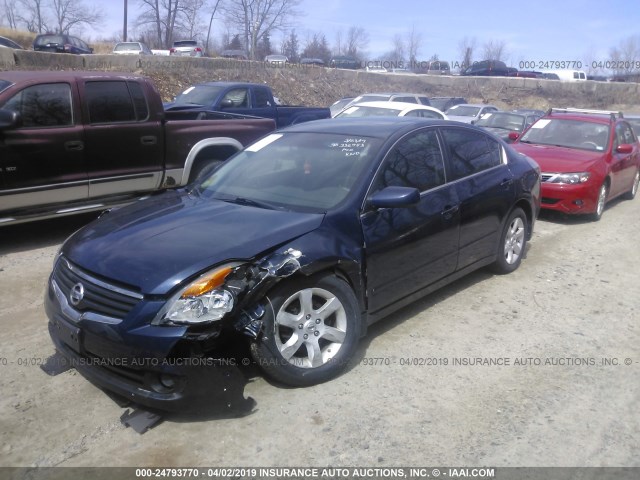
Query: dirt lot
{"type": "Point", "coordinates": [564, 328]}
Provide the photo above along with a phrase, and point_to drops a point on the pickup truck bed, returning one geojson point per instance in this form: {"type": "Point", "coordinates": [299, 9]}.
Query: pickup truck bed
{"type": "Point", "coordinates": [244, 98]}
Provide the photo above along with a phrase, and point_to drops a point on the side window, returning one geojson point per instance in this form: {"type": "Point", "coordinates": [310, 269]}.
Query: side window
{"type": "Point", "coordinates": [624, 134]}
{"type": "Point", "coordinates": [139, 101]}
{"type": "Point", "coordinates": [239, 97]}
{"type": "Point", "coordinates": [47, 105]}
{"type": "Point", "coordinates": [415, 161]}
{"type": "Point", "coordinates": [430, 114]}
{"type": "Point", "coordinates": [470, 152]}
{"type": "Point", "coordinates": [109, 102]}
{"type": "Point", "coordinates": [262, 98]}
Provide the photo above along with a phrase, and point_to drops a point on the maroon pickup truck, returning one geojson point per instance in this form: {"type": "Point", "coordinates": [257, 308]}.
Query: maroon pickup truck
{"type": "Point", "coordinates": [73, 142]}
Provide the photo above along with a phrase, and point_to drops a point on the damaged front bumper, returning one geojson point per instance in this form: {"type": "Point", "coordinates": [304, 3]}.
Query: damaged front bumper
{"type": "Point", "coordinates": [107, 334]}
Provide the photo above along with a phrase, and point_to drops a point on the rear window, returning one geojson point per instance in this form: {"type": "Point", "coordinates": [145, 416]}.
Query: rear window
{"type": "Point", "coordinates": [46, 39]}
{"type": "Point", "coordinates": [185, 43]}
{"type": "Point", "coordinates": [127, 46]}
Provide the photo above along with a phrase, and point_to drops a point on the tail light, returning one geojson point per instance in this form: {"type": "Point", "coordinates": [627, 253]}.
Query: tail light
{"type": "Point", "coordinates": [67, 47]}
{"type": "Point", "coordinates": [198, 50]}
{"type": "Point", "coordinates": [172, 51]}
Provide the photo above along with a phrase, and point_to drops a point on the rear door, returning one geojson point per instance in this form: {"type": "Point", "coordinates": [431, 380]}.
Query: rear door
{"type": "Point", "coordinates": [408, 249]}
{"type": "Point", "coordinates": [484, 186]}
{"type": "Point", "coordinates": [43, 160]}
{"type": "Point", "coordinates": [124, 147]}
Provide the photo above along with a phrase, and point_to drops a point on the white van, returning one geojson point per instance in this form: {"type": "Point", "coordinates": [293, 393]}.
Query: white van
{"type": "Point", "coordinates": [565, 75]}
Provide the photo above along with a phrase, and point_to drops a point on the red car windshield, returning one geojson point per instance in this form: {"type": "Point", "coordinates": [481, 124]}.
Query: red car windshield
{"type": "Point", "coordinates": [568, 133]}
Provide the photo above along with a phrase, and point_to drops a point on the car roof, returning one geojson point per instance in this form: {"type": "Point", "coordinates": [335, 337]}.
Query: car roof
{"type": "Point", "coordinates": [603, 118]}
{"type": "Point", "coordinates": [395, 106]}
{"type": "Point", "coordinates": [229, 84]}
{"type": "Point", "coordinates": [377, 127]}
{"type": "Point", "coordinates": [473, 105]}
{"type": "Point", "coordinates": [32, 76]}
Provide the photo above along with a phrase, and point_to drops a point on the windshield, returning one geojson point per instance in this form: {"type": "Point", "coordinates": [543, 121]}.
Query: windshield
{"type": "Point", "coordinates": [568, 133]}
{"type": "Point", "coordinates": [310, 172]}
{"type": "Point", "coordinates": [463, 111]}
{"type": "Point", "coordinates": [506, 121]}
{"type": "Point", "coordinates": [198, 95]}
{"type": "Point", "coordinates": [362, 111]}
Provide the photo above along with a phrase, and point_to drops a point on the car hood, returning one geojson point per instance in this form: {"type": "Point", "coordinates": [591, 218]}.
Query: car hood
{"type": "Point", "coordinates": [559, 159]}
{"type": "Point", "coordinates": [158, 243]}
{"type": "Point", "coordinates": [499, 132]}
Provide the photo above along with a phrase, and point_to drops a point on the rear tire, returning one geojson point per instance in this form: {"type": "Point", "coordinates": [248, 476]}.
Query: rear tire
{"type": "Point", "coordinates": [311, 331]}
{"type": "Point", "coordinates": [512, 243]}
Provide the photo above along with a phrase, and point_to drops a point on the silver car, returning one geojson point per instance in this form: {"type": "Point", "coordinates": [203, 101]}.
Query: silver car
{"type": "Point", "coordinates": [186, 48]}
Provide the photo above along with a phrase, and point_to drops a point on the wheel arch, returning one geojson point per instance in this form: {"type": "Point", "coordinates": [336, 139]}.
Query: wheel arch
{"type": "Point", "coordinates": [217, 148]}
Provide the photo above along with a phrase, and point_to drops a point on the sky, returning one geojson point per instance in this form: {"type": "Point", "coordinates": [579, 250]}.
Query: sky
{"type": "Point", "coordinates": [532, 31]}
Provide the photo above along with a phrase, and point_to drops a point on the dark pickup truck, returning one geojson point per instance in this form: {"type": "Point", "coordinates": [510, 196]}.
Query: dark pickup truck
{"type": "Point", "coordinates": [72, 142]}
{"type": "Point", "coordinates": [245, 98]}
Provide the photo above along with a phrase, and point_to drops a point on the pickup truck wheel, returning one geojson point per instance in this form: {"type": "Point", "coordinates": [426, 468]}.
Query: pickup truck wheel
{"type": "Point", "coordinates": [512, 243]}
{"type": "Point", "coordinates": [311, 331]}
{"type": "Point", "coordinates": [203, 169]}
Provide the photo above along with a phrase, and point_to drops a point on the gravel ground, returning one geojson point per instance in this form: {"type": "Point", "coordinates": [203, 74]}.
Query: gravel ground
{"type": "Point", "coordinates": [561, 327]}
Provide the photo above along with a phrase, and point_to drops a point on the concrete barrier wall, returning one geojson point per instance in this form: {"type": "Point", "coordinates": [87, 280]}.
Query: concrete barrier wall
{"type": "Point", "coordinates": [328, 83]}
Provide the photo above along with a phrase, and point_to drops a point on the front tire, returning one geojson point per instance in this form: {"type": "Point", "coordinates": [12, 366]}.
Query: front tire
{"type": "Point", "coordinates": [311, 331]}
{"type": "Point", "coordinates": [600, 202]}
{"type": "Point", "coordinates": [512, 243]}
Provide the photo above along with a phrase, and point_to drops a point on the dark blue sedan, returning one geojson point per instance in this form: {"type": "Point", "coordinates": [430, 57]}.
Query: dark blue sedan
{"type": "Point", "coordinates": [298, 244]}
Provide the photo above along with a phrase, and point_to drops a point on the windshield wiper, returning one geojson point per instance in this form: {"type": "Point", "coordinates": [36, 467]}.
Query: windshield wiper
{"type": "Point", "coordinates": [249, 202]}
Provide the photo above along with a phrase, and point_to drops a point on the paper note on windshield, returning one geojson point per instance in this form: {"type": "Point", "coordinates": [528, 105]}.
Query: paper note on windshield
{"type": "Point", "coordinates": [541, 124]}
{"type": "Point", "coordinates": [259, 145]}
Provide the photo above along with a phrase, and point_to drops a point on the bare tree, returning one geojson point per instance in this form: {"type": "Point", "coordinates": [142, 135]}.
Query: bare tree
{"type": "Point", "coordinates": [290, 47]}
{"type": "Point", "coordinates": [338, 48]}
{"type": "Point", "coordinates": [414, 42]}
{"type": "Point", "coordinates": [190, 19]}
{"type": "Point", "coordinates": [466, 48]}
{"type": "Point", "coordinates": [494, 50]}
{"type": "Point", "coordinates": [34, 16]}
{"type": "Point", "coordinates": [10, 8]}
{"type": "Point", "coordinates": [624, 55]}
{"type": "Point", "coordinates": [257, 18]}
{"type": "Point", "coordinates": [70, 14]}
{"type": "Point", "coordinates": [317, 47]}
{"type": "Point", "coordinates": [356, 42]}
{"type": "Point", "coordinates": [399, 51]}
{"type": "Point", "coordinates": [213, 12]}
{"type": "Point", "coordinates": [160, 15]}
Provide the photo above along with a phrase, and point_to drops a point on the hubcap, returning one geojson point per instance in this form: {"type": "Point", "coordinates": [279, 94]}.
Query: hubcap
{"type": "Point", "coordinates": [514, 241]}
{"type": "Point", "coordinates": [311, 327]}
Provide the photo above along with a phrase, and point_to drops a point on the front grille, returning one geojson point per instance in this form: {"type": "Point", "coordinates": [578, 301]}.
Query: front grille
{"type": "Point", "coordinates": [99, 297]}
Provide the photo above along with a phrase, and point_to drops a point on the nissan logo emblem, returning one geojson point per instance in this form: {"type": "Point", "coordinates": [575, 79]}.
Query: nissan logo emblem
{"type": "Point", "coordinates": [76, 294]}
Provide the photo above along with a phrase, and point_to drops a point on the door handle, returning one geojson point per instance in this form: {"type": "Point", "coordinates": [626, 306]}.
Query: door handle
{"type": "Point", "coordinates": [506, 182]}
{"type": "Point", "coordinates": [149, 140]}
{"type": "Point", "coordinates": [74, 145]}
{"type": "Point", "coordinates": [449, 212]}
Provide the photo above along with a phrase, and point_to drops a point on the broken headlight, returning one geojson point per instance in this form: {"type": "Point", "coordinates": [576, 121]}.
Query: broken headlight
{"type": "Point", "coordinates": [204, 300]}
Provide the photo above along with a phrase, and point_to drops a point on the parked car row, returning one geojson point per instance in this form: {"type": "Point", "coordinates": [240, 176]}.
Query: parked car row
{"type": "Point", "coordinates": [587, 157]}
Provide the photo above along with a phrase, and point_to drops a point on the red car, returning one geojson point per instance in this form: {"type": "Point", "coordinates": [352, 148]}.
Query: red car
{"type": "Point", "coordinates": [587, 158]}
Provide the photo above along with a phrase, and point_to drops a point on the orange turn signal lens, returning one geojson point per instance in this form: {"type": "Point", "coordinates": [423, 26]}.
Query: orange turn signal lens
{"type": "Point", "coordinates": [207, 282]}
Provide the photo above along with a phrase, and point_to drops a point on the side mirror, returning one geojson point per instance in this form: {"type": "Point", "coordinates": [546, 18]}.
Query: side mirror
{"type": "Point", "coordinates": [513, 136]}
{"type": "Point", "coordinates": [226, 103]}
{"type": "Point", "coordinates": [395, 197]}
{"type": "Point", "coordinates": [625, 148]}
{"type": "Point", "coordinates": [9, 119]}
